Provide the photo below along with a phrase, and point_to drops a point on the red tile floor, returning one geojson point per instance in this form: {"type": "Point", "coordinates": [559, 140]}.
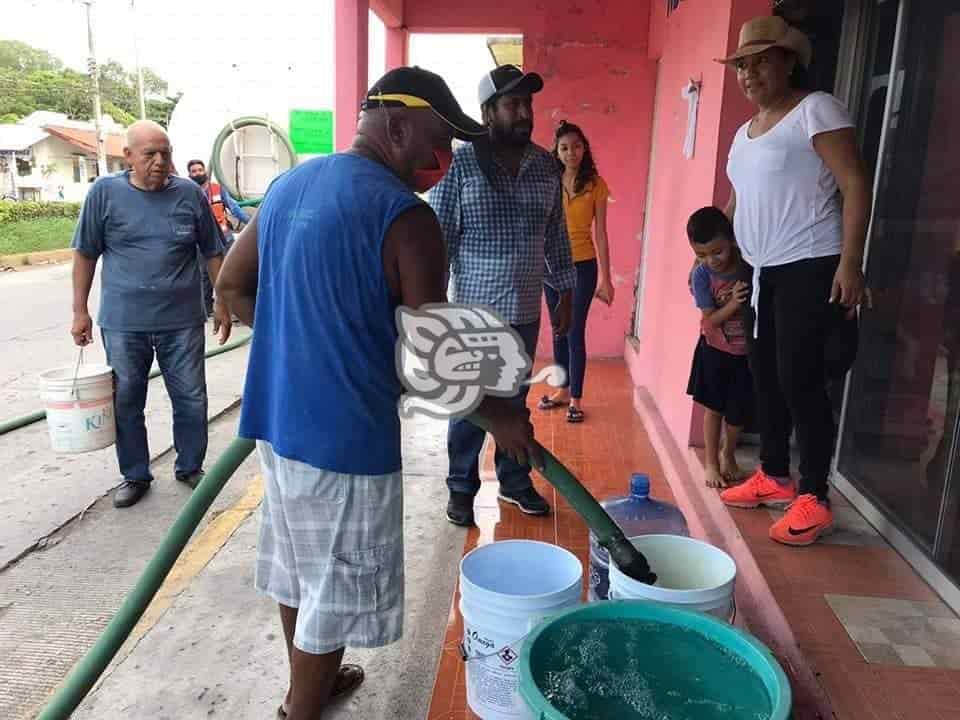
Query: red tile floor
{"type": "Point", "coordinates": [843, 602]}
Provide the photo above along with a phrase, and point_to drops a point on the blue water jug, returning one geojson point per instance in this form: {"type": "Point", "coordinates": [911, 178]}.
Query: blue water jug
{"type": "Point", "coordinates": [636, 514]}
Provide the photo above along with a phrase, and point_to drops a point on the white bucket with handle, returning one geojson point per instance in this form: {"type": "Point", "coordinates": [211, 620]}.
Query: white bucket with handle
{"type": "Point", "coordinates": [79, 405]}
{"type": "Point", "coordinates": [506, 589]}
{"type": "Point", "coordinates": [691, 575]}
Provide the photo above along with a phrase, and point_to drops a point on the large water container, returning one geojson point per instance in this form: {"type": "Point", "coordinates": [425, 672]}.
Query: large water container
{"type": "Point", "coordinates": [636, 514]}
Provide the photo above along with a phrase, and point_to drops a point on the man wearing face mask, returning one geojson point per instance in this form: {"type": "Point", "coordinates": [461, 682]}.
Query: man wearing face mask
{"type": "Point", "coordinates": [339, 243]}
{"type": "Point", "coordinates": [220, 203]}
{"type": "Point", "coordinates": [220, 200]}
{"type": "Point", "coordinates": [501, 211]}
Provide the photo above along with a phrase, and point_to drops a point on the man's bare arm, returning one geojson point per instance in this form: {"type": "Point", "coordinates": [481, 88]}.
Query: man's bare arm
{"type": "Point", "coordinates": [236, 282]}
{"type": "Point", "coordinates": [84, 269]}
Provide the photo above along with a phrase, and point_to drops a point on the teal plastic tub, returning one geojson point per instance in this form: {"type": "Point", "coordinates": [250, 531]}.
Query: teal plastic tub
{"type": "Point", "coordinates": [654, 661]}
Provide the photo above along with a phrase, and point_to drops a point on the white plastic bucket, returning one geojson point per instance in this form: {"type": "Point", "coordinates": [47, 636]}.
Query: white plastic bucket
{"type": "Point", "coordinates": [79, 405]}
{"type": "Point", "coordinates": [691, 575]}
{"type": "Point", "coordinates": [506, 589]}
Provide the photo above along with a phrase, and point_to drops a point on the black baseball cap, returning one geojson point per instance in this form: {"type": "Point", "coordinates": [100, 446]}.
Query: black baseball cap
{"type": "Point", "coordinates": [414, 87]}
{"type": "Point", "coordinates": [507, 79]}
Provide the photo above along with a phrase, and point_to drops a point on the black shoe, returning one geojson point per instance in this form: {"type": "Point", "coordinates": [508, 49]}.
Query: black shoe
{"type": "Point", "coordinates": [529, 501]}
{"type": "Point", "coordinates": [130, 493]}
{"type": "Point", "coordinates": [460, 509]}
{"type": "Point", "coordinates": [192, 478]}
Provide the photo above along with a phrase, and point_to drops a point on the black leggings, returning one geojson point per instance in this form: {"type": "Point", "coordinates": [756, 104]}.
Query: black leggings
{"type": "Point", "coordinates": [570, 351]}
{"type": "Point", "coordinates": [792, 360]}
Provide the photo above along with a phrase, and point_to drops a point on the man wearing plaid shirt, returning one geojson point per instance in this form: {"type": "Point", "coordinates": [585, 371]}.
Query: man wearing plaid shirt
{"type": "Point", "coordinates": [501, 210]}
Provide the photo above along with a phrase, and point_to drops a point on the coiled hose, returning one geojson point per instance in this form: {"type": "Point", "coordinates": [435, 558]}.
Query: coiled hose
{"type": "Point", "coordinates": [216, 164]}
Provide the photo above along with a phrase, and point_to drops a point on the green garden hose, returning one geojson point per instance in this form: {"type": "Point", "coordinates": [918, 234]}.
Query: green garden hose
{"type": "Point", "coordinates": [216, 166]}
{"type": "Point", "coordinates": [86, 672]}
{"type": "Point", "coordinates": [630, 560]}
{"type": "Point", "coordinates": [22, 421]}
{"type": "Point", "coordinates": [38, 415]}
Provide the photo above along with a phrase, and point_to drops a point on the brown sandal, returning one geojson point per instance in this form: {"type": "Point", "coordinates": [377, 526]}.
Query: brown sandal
{"type": "Point", "coordinates": [349, 678]}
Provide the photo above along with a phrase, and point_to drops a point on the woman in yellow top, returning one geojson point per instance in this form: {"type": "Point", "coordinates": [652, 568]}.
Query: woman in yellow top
{"type": "Point", "coordinates": [585, 206]}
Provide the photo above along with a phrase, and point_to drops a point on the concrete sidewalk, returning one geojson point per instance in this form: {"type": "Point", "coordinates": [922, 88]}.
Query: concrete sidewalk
{"type": "Point", "coordinates": [43, 491]}
{"type": "Point", "coordinates": [210, 646]}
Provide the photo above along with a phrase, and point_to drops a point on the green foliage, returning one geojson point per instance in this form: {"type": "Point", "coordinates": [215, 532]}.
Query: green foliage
{"type": "Point", "coordinates": [19, 56]}
{"type": "Point", "coordinates": [52, 233]}
{"type": "Point", "coordinates": [19, 211]}
{"type": "Point", "coordinates": [118, 114]}
{"type": "Point", "coordinates": [33, 79]}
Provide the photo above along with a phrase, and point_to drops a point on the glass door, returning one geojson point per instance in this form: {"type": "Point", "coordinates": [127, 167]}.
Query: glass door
{"type": "Point", "coordinates": [898, 438]}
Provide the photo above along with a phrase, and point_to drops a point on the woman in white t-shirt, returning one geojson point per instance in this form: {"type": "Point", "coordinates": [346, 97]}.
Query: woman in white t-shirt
{"type": "Point", "coordinates": [800, 207]}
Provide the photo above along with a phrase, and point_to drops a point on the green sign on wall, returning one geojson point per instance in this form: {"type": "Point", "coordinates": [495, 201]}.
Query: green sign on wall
{"type": "Point", "coordinates": [311, 131]}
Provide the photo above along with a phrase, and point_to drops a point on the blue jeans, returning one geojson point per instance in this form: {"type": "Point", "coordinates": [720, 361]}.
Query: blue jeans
{"type": "Point", "coordinates": [180, 355]}
{"type": "Point", "coordinates": [570, 352]}
{"type": "Point", "coordinates": [465, 441]}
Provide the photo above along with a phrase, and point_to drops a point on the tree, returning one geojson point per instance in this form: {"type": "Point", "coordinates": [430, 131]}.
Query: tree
{"type": "Point", "coordinates": [153, 84]}
{"type": "Point", "coordinates": [118, 114]}
{"type": "Point", "coordinates": [16, 55]}
{"type": "Point", "coordinates": [33, 79]}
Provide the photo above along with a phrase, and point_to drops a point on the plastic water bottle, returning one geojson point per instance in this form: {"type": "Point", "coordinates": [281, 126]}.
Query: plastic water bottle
{"type": "Point", "coordinates": [636, 514]}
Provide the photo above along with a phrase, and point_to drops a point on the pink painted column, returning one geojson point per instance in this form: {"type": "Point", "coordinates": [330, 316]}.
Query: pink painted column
{"type": "Point", "coordinates": [350, 66]}
{"type": "Point", "coordinates": [398, 43]}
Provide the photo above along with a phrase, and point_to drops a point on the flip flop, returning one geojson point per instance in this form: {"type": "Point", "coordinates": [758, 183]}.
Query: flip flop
{"type": "Point", "coordinates": [548, 403]}
{"type": "Point", "coordinates": [349, 678]}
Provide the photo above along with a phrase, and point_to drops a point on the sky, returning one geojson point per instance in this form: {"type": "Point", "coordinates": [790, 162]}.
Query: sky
{"type": "Point", "coordinates": [235, 47]}
{"type": "Point", "coordinates": [231, 58]}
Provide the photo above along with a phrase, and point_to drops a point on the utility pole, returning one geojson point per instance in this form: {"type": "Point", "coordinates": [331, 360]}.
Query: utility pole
{"type": "Point", "coordinates": [136, 54]}
{"type": "Point", "coordinates": [95, 76]}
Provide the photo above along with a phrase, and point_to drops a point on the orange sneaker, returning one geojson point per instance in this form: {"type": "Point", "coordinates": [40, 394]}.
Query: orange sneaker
{"type": "Point", "coordinates": [760, 489]}
{"type": "Point", "coordinates": [806, 520]}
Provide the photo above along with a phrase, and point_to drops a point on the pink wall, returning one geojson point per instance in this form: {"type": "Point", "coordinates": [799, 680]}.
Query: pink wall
{"type": "Point", "coordinates": [390, 12]}
{"type": "Point", "coordinates": [351, 19]}
{"type": "Point", "coordinates": [736, 107]}
{"type": "Point", "coordinates": [593, 57]}
{"type": "Point", "coordinates": [398, 47]}
{"type": "Point", "coordinates": [690, 39]}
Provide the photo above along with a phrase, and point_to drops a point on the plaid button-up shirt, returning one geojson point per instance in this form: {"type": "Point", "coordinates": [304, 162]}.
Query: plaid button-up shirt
{"type": "Point", "coordinates": [505, 239]}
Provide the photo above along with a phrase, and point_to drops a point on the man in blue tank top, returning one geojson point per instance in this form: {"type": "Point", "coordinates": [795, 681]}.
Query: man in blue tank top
{"type": "Point", "coordinates": [339, 244]}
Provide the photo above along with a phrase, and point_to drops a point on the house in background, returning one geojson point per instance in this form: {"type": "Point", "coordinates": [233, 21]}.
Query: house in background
{"type": "Point", "coordinates": [47, 156]}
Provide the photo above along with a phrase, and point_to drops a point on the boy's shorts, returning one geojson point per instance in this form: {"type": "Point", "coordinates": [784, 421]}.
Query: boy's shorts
{"type": "Point", "coordinates": [722, 382]}
{"type": "Point", "coordinates": [332, 546]}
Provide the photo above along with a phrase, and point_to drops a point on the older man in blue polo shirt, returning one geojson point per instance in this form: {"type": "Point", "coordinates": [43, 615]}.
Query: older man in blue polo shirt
{"type": "Point", "coordinates": [147, 226]}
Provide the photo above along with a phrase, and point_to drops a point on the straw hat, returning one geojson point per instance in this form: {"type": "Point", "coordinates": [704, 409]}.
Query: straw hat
{"type": "Point", "coordinates": [763, 33]}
